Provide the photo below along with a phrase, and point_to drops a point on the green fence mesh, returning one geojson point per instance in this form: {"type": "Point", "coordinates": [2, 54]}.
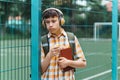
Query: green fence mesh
{"type": "Point", "coordinates": [15, 40]}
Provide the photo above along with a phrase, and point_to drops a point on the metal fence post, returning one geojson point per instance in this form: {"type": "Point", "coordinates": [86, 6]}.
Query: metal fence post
{"type": "Point", "coordinates": [114, 39]}
{"type": "Point", "coordinates": [35, 39]}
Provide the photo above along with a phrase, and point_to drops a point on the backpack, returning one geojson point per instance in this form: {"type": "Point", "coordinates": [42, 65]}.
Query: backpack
{"type": "Point", "coordinates": [45, 42]}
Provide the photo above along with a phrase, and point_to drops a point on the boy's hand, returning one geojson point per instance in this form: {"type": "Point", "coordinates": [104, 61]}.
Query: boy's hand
{"type": "Point", "coordinates": [55, 51]}
{"type": "Point", "coordinates": [63, 62]}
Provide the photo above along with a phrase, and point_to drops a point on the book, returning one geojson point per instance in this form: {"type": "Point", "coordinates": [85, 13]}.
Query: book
{"type": "Point", "coordinates": [67, 53]}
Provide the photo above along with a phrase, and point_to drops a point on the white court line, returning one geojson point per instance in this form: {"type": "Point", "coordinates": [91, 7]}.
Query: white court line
{"type": "Point", "coordinates": [100, 74]}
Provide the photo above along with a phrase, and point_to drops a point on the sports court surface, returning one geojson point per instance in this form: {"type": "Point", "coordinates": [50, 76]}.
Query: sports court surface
{"type": "Point", "coordinates": [99, 59]}
{"type": "Point", "coordinates": [15, 60]}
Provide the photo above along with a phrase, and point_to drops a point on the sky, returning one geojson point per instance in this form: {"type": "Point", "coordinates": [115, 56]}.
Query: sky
{"type": "Point", "coordinates": [104, 2]}
{"type": "Point", "coordinates": [84, 3]}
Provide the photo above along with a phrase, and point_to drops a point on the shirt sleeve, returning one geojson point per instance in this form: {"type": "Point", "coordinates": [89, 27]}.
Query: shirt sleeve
{"type": "Point", "coordinates": [79, 52]}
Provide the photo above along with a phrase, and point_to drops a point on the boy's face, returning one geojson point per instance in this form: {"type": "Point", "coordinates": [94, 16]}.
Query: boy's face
{"type": "Point", "coordinates": [52, 24]}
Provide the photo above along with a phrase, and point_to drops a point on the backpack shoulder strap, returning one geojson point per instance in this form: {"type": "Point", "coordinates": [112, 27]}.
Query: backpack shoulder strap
{"type": "Point", "coordinates": [71, 39]}
{"type": "Point", "coordinates": [45, 44]}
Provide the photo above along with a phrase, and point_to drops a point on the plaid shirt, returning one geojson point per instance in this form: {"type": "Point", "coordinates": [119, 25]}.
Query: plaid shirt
{"type": "Point", "coordinates": [54, 72]}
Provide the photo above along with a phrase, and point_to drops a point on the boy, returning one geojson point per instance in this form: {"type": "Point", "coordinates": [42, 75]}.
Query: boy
{"type": "Point", "coordinates": [52, 64]}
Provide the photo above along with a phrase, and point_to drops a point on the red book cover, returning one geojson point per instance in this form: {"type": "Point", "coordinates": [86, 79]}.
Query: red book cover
{"type": "Point", "coordinates": [67, 53]}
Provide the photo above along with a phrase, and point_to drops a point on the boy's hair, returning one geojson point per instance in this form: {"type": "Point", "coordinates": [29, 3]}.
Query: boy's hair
{"type": "Point", "coordinates": [52, 12]}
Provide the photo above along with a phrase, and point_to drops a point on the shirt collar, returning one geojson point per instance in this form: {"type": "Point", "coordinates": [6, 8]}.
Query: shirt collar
{"type": "Point", "coordinates": [63, 33]}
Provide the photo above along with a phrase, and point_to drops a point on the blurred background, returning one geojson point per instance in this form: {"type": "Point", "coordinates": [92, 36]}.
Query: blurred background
{"type": "Point", "coordinates": [89, 20]}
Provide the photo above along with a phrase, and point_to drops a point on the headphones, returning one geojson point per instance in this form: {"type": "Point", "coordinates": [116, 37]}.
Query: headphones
{"type": "Point", "coordinates": [60, 14]}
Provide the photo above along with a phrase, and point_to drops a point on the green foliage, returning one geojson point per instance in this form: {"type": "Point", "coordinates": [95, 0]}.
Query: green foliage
{"type": "Point", "coordinates": [15, 8]}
